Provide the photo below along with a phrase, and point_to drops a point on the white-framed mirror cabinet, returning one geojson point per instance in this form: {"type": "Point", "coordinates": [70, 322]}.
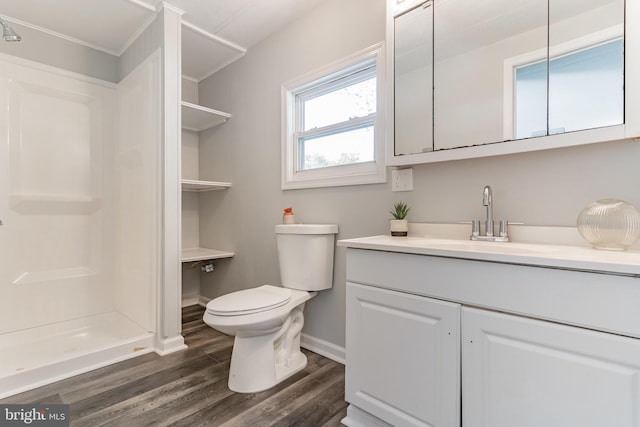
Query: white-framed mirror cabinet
{"type": "Point", "coordinates": [471, 79]}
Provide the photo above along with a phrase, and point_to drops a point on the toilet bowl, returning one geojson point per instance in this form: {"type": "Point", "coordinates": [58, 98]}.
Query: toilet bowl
{"type": "Point", "coordinates": [267, 320]}
{"type": "Point", "coordinates": [266, 349]}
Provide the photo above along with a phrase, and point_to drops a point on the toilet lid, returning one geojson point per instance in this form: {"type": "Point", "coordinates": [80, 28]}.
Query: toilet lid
{"type": "Point", "coordinates": [249, 301]}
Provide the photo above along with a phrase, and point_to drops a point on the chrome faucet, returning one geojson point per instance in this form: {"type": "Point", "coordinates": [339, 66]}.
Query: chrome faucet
{"type": "Point", "coordinates": [489, 235]}
{"type": "Point", "coordinates": [487, 200]}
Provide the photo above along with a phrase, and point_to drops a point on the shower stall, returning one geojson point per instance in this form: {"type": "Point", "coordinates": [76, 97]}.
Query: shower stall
{"type": "Point", "coordinates": [80, 220]}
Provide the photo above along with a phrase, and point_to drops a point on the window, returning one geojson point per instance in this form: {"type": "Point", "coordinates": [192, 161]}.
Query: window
{"type": "Point", "coordinates": [332, 124]}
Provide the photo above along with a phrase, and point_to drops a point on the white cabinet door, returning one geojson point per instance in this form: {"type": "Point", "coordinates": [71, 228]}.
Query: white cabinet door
{"type": "Point", "coordinates": [403, 363]}
{"type": "Point", "coordinates": [523, 372]}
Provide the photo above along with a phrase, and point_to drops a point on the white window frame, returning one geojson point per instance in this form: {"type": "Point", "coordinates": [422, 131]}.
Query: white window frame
{"type": "Point", "coordinates": [352, 174]}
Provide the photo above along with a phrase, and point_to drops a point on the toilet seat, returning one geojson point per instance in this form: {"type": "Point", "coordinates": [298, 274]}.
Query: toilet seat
{"type": "Point", "coordinates": [249, 301]}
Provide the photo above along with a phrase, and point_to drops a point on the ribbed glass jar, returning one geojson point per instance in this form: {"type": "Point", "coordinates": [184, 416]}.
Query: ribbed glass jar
{"type": "Point", "coordinates": [609, 224]}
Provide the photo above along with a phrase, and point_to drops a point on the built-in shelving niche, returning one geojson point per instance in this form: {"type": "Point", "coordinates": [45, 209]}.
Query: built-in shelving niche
{"type": "Point", "coordinates": [196, 118]}
{"type": "Point", "coordinates": [203, 54]}
{"type": "Point", "coordinates": [200, 186]}
{"type": "Point", "coordinates": [203, 254]}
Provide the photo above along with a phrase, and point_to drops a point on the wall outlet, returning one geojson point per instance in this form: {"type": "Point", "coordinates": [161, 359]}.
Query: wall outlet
{"type": "Point", "coordinates": [402, 179]}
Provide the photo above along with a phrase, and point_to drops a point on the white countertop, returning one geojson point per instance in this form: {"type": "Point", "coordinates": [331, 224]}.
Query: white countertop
{"type": "Point", "coordinates": [581, 258]}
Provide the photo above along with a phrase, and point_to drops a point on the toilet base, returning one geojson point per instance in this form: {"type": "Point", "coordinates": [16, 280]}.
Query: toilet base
{"type": "Point", "coordinates": [260, 362]}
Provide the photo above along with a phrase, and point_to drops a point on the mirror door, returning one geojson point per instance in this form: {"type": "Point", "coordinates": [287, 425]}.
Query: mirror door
{"type": "Point", "coordinates": [586, 64]}
{"type": "Point", "coordinates": [528, 74]}
{"type": "Point", "coordinates": [413, 80]}
{"type": "Point", "coordinates": [474, 42]}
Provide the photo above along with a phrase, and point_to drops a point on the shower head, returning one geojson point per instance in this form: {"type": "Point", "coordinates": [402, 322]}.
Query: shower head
{"type": "Point", "coordinates": [8, 34]}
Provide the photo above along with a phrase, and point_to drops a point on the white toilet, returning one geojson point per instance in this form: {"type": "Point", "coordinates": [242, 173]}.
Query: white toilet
{"type": "Point", "coordinates": [267, 320]}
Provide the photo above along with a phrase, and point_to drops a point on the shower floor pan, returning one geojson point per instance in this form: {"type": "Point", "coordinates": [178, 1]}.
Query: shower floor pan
{"type": "Point", "coordinates": [39, 356]}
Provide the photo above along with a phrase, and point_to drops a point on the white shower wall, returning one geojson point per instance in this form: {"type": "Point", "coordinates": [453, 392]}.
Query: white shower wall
{"type": "Point", "coordinates": [56, 133]}
{"type": "Point", "coordinates": [138, 199]}
{"type": "Point", "coordinates": [80, 205]}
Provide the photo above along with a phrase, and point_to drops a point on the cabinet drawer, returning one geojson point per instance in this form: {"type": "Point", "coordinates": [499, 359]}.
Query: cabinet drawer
{"type": "Point", "coordinates": [597, 301]}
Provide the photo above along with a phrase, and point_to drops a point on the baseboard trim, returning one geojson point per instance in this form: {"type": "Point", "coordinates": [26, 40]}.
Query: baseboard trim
{"type": "Point", "coordinates": [203, 301]}
{"type": "Point", "coordinates": [356, 417]}
{"type": "Point", "coordinates": [323, 348]}
{"type": "Point", "coordinates": [191, 300]}
{"type": "Point", "coordinates": [170, 345]}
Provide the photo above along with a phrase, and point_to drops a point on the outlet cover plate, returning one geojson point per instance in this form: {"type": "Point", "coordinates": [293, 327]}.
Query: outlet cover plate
{"type": "Point", "coordinates": [402, 179]}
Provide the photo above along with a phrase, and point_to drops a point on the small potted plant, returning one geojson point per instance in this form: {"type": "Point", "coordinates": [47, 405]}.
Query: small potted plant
{"type": "Point", "coordinates": [399, 224]}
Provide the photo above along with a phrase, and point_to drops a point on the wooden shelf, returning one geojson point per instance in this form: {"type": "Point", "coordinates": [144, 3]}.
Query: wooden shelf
{"type": "Point", "coordinates": [203, 254]}
{"type": "Point", "coordinates": [198, 118]}
{"type": "Point", "coordinates": [195, 185]}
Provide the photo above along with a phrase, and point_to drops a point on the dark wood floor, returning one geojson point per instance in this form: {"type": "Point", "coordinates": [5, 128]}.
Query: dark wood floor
{"type": "Point", "coordinates": [189, 388]}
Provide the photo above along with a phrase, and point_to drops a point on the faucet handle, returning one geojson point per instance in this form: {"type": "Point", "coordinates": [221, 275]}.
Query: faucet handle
{"type": "Point", "coordinates": [475, 227]}
{"type": "Point", "coordinates": [504, 225]}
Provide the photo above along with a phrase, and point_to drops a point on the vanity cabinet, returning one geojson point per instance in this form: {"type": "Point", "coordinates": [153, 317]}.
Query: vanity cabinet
{"type": "Point", "coordinates": [444, 341]}
{"type": "Point", "coordinates": [525, 372]}
{"type": "Point", "coordinates": [403, 360]}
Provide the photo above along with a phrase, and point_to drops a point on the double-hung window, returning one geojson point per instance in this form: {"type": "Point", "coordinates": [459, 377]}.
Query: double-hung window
{"type": "Point", "coordinates": [332, 124]}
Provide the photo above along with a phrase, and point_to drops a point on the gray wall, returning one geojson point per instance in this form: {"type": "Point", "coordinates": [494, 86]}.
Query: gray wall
{"type": "Point", "coordinates": [41, 47]}
{"type": "Point", "coordinates": [541, 188]}
{"type": "Point", "coordinates": [50, 50]}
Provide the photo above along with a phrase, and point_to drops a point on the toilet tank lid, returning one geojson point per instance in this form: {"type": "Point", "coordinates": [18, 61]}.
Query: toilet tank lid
{"type": "Point", "coordinates": [306, 229]}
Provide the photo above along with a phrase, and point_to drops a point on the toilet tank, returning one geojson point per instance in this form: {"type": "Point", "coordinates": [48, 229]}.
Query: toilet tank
{"type": "Point", "coordinates": [305, 252]}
